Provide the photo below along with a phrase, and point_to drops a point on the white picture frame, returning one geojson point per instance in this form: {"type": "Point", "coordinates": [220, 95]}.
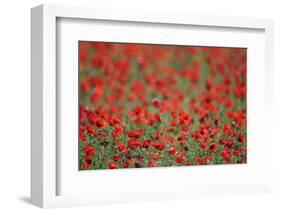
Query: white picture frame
{"type": "Point", "coordinates": [45, 178]}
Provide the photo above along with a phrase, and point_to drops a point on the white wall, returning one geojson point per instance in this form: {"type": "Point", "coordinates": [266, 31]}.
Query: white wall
{"type": "Point", "coordinates": [15, 98]}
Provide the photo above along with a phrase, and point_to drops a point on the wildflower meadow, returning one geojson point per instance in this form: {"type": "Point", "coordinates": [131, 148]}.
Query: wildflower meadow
{"type": "Point", "coordinates": [151, 105]}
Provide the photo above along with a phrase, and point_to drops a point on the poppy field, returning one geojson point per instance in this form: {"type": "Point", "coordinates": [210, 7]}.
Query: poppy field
{"type": "Point", "coordinates": [149, 105]}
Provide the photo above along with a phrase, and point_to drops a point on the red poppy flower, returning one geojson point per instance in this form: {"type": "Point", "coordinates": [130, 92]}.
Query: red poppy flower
{"type": "Point", "coordinates": [184, 134]}
{"type": "Point", "coordinates": [145, 143]}
{"type": "Point", "coordinates": [213, 131]}
{"type": "Point", "coordinates": [127, 164]}
{"type": "Point", "coordinates": [85, 87]}
{"type": "Point", "coordinates": [173, 123]}
{"type": "Point", "coordinates": [203, 145]}
{"type": "Point", "coordinates": [135, 133]}
{"type": "Point", "coordinates": [192, 75]}
{"type": "Point", "coordinates": [213, 147]}
{"type": "Point", "coordinates": [91, 131]}
{"type": "Point", "coordinates": [157, 145]}
{"type": "Point", "coordinates": [82, 136]}
{"type": "Point", "coordinates": [152, 163]}
{"type": "Point", "coordinates": [227, 129]}
{"type": "Point", "coordinates": [155, 156]}
{"type": "Point", "coordinates": [241, 138]}
{"type": "Point", "coordinates": [121, 147]}
{"type": "Point", "coordinates": [156, 103]}
{"type": "Point", "coordinates": [184, 118]}
{"type": "Point", "coordinates": [182, 141]}
{"type": "Point", "coordinates": [117, 131]}
{"type": "Point", "coordinates": [97, 62]}
{"type": "Point", "coordinates": [183, 152]}
{"type": "Point", "coordinates": [112, 165]}
{"type": "Point", "coordinates": [180, 138]}
{"type": "Point", "coordinates": [100, 123]}
{"type": "Point", "coordinates": [133, 143]}
{"type": "Point", "coordinates": [209, 158]}
{"type": "Point", "coordinates": [172, 150]}
{"type": "Point", "coordinates": [138, 164]}
{"type": "Point", "coordinates": [86, 165]}
{"type": "Point", "coordinates": [141, 121]}
{"type": "Point", "coordinates": [226, 155]}
{"type": "Point", "coordinates": [230, 142]}
{"type": "Point", "coordinates": [88, 149]}
{"type": "Point", "coordinates": [236, 153]}
{"type": "Point", "coordinates": [116, 158]}
{"type": "Point", "coordinates": [156, 135]}
{"type": "Point", "coordinates": [180, 160]}
{"type": "Point", "coordinates": [138, 111]}
{"type": "Point", "coordinates": [199, 160]}
{"type": "Point", "coordinates": [217, 121]}
{"type": "Point", "coordinates": [96, 95]}
{"type": "Point", "coordinates": [88, 159]}
{"type": "Point", "coordinates": [116, 120]}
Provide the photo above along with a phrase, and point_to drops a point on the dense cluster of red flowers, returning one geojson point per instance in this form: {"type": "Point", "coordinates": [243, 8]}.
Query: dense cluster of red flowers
{"type": "Point", "coordinates": [158, 105]}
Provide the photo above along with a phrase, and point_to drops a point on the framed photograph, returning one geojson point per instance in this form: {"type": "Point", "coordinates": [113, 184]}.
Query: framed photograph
{"type": "Point", "coordinates": [130, 106]}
